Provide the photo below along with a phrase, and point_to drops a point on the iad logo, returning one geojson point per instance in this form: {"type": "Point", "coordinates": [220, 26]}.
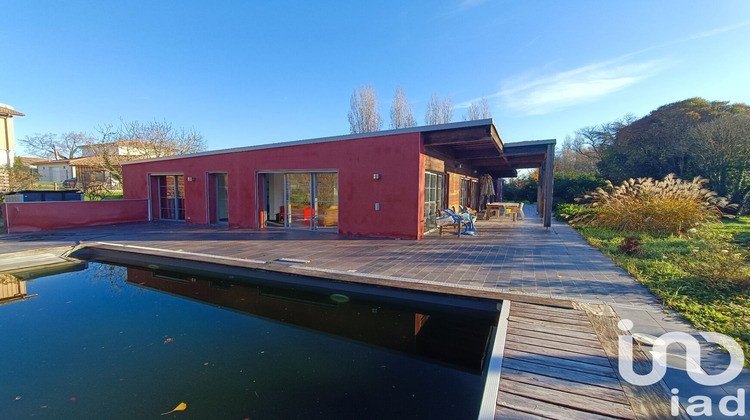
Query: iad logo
{"type": "Point", "coordinates": [692, 349]}
{"type": "Point", "coordinates": [700, 404]}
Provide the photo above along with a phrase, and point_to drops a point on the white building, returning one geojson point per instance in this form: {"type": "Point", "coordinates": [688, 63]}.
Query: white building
{"type": "Point", "coordinates": [7, 135]}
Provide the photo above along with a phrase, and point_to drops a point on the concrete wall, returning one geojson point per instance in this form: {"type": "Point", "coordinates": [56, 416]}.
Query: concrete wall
{"type": "Point", "coordinates": [399, 191]}
{"type": "Point", "coordinates": [32, 217]}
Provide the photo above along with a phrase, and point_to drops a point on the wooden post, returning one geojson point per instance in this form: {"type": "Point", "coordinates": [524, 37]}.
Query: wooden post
{"type": "Point", "coordinates": [549, 163]}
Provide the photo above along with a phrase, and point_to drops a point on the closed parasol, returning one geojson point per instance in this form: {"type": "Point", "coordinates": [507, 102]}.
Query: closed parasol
{"type": "Point", "coordinates": [488, 189]}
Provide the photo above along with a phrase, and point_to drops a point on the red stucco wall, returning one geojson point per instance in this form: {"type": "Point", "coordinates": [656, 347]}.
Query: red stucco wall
{"type": "Point", "coordinates": [396, 158]}
{"type": "Point", "coordinates": [32, 217]}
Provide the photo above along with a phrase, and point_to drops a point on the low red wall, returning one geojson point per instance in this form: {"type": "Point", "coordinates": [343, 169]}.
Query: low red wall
{"type": "Point", "coordinates": [33, 217]}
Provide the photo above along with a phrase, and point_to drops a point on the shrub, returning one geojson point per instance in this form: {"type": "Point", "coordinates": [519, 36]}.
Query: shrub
{"type": "Point", "coordinates": [630, 245]}
{"type": "Point", "coordinates": [568, 211]}
{"type": "Point", "coordinates": [568, 186]}
{"type": "Point", "coordinates": [670, 206]}
{"type": "Point", "coordinates": [520, 189]}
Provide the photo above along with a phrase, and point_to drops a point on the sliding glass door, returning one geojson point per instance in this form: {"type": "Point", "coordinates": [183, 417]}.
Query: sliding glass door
{"type": "Point", "coordinates": [299, 202]}
{"type": "Point", "coordinates": [433, 198]}
{"type": "Point", "coordinates": [326, 188]}
{"type": "Point", "coordinates": [311, 200]}
{"type": "Point", "coordinates": [171, 197]}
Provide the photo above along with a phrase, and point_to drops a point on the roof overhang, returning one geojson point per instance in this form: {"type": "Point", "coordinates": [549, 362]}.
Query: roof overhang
{"type": "Point", "coordinates": [10, 112]}
{"type": "Point", "coordinates": [479, 147]}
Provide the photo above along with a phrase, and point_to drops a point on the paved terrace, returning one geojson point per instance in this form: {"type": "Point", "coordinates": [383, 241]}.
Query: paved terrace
{"type": "Point", "coordinates": [513, 258]}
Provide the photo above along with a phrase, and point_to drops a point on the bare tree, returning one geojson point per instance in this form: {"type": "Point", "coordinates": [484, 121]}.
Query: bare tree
{"type": "Point", "coordinates": [478, 110]}
{"type": "Point", "coordinates": [722, 154]}
{"type": "Point", "coordinates": [364, 114]}
{"type": "Point", "coordinates": [438, 112]}
{"type": "Point", "coordinates": [568, 160]}
{"type": "Point", "coordinates": [143, 140]}
{"type": "Point", "coordinates": [52, 146]}
{"type": "Point", "coordinates": [152, 139]}
{"type": "Point", "coordinates": [401, 111]}
{"type": "Point", "coordinates": [592, 142]}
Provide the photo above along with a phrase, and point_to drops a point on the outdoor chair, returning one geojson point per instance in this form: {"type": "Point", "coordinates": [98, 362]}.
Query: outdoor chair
{"type": "Point", "coordinates": [462, 222]}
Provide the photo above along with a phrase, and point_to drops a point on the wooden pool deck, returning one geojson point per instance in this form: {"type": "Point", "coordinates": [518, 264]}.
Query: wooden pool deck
{"type": "Point", "coordinates": [555, 366]}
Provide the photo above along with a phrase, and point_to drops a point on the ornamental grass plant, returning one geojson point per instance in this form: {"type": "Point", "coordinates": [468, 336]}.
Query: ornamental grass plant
{"type": "Point", "coordinates": [669, 206]}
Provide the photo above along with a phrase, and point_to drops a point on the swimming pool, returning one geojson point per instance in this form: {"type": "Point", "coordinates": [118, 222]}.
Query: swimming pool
{"type": "Point", "coordinates": [113, 341]}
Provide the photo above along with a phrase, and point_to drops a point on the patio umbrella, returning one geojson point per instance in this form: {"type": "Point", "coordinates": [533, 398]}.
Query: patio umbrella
{"type": "Point", "coordinates": [487, 189]}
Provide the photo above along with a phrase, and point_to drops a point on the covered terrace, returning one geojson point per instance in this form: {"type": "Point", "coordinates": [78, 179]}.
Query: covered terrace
{"type": "Point", "coordinates": [479, 148]}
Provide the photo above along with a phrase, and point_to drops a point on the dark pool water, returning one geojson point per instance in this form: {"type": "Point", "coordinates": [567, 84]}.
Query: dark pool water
{"type": "Point", "coordinates": [110, 342]}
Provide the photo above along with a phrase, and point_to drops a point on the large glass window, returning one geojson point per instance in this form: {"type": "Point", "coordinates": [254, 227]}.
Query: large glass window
{"type": "Point", "coordinates": [312, 200]}
{"type": "Point", "coordinates": [327, 199]}
{"type": "Point", "coordinates": [171, 197]}
{"type": "Point", "coordinates": [474, 194]}
{"type": "Point", "coordinates": [299, 204]}
{"type": "Point", "coordinates": [464, 193]}
{"type": "Point", "coordinates": [433, 198]}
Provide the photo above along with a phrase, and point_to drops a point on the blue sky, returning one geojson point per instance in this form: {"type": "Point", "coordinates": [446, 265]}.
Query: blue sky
{"type": "Point", "coordinates": [247, 72]}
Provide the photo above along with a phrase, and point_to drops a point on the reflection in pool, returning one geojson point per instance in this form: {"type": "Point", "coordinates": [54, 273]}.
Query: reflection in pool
{"type": "Point", "coordinates": [116, 342]}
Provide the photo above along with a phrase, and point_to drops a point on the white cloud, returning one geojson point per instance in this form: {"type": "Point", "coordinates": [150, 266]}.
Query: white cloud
{"type": "Point", "coordinates": [541, 95]}
{"type": "Point", "coordinates": [717, 31]}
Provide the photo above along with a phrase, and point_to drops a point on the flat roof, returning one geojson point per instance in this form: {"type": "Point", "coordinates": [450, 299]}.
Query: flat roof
{"type": "Point", "coordinates": [474, 143]}
{"type": "Point", "coordinates": [417, 129]}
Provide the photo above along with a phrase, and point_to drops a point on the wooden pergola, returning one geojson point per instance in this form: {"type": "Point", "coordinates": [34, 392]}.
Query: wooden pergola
{"type": "Point", "coordinates": [477, 145]}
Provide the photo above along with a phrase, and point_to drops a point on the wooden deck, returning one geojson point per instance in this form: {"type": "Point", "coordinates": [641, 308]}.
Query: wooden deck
{"type": "Point", "coordinates": [555, 366]}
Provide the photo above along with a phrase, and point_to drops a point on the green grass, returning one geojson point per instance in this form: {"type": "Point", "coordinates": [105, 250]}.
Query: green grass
{"type": "Point", "coordinates": [668, 264]}
{"type": "Point", "coordinates": [740, 229]}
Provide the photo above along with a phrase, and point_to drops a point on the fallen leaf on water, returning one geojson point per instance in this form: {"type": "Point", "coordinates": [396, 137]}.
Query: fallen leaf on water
{"type": "Point", "coordinates": [180, 407]}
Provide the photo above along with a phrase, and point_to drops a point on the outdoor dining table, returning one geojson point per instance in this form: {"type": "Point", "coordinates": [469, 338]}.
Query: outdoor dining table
{"type": "Point", "coordinates": [501, 208]}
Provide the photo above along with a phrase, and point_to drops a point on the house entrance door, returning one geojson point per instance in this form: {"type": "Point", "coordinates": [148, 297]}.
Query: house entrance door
{"type": "Point", "coordinates": [171, 197]}
{"type": "Point", "coordinates": [218, 198]}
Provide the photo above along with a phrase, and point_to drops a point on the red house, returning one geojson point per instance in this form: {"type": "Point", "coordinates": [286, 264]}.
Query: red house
{"type": "Point", "coordinates": [382, 184]}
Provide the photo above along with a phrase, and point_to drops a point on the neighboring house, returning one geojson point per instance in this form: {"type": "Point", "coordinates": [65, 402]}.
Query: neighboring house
{"type": "Point", "coordinates": [91, 169]}
{"type": "Point", "coordinates": [119, 148]}
{"type": "Point", "coordinates": [55, 170]}
{"type": "Point", "coordinates": [91, 166]}
{"type": "Point", "coordinates": [31, 163]}
{"type": "Point", "coordinates": [383, 184]}
{"type": "Point", "coordinates": [7, 134]}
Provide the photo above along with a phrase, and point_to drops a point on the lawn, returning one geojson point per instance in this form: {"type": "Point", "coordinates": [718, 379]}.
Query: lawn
{"type": "Point", "coordinates": [704, 276]}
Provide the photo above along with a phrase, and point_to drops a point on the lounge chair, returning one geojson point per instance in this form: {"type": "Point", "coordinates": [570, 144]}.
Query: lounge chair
{"type": "Point", "coordinates": [462, 222]}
